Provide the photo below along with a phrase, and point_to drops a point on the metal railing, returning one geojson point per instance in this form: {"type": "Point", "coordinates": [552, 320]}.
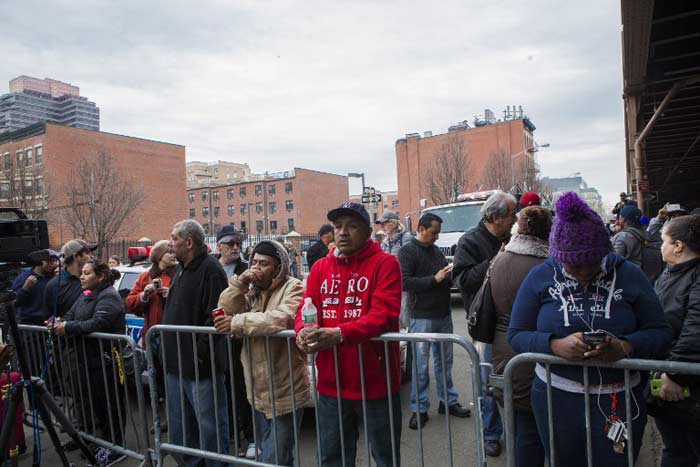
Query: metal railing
{"type": "Point", "coordinates": [96, 380]}
{"type": "Point", "coordinates": [283, 347]}
{"type": "Point", "coordinates": [589, 389]}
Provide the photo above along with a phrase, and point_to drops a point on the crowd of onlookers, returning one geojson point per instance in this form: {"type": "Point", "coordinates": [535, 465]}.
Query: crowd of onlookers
{"type": "Point", "coordinates": [557, 284]}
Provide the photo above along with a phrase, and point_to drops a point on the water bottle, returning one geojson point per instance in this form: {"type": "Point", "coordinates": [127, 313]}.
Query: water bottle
{"type": "Point", "coordinates": [309, 315]}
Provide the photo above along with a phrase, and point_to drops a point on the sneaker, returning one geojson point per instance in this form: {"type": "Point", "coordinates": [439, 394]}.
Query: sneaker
{"type": "Point", "coordinates": [456, 410]}
{"type": "Point", "coordinates": [107, 458]}
{"type": "Point", "coordinates": [251, 452]}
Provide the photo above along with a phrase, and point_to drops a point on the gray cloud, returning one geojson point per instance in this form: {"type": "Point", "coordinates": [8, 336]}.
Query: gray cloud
{"type": "Point", "coordinates": [332, 85]}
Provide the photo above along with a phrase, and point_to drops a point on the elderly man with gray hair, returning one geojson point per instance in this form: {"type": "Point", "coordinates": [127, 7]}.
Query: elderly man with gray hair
{"type": "Point", "coordinates": [196, 398]}
{"type": "Point", "coordinates": [475, 250]}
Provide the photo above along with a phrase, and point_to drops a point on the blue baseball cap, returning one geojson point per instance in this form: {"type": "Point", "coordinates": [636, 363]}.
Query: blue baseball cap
{"type": "Point", "coordinates": [350, 209]}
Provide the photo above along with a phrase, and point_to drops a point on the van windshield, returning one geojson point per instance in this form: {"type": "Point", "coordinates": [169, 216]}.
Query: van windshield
{"type": "Point", "coordinates": [458, 218]}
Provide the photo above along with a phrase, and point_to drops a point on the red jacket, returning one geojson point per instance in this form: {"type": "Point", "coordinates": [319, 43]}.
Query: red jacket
{"type": "Point", "coordinates": [152, 311]}
{"type": "Point", "coordinates": [361, 295]}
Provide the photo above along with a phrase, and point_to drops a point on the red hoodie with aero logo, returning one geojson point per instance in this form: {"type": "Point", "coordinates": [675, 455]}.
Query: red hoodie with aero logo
{"type": "Point", "coordinates": [361, 295]}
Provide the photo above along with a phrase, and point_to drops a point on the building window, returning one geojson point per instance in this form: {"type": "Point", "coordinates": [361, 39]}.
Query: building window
{"type": "Point", "coordinates": [241, 192]}
{"type": "Point", "coordinates": [273, 207]}
{"type": "Point", "coordinates": [215, 195]}
{"type": "Point", "coordinates": [243, 226]}
{"type": "Point", "coordinates": [8, 161]}
{"type": "Point", "coordinates": [258, 207]}
{"type": "Point", "coordinates": [290, 224]}
{"type": "Point", "coordinates": [243, 208]}
{"type": "Point", "coordinates": [395, 204]}
{"type": "Point", "coordinates": [205, 211]}
{"type": "Point", "coordinates": [19, 158]}
{"type": "Point", "coordinates": [258, 190]}
{"type": "Point", "coordinates": [217, 211]}
{"type": "Point", "coordinates": [204, 196]}
{"type": "Point", "coordinates": [39, 186]}
{"type": "Point", "coordinates": [4, 189]}
{"type": "Point", "coordinates": [191, 197]}
{"type": "Point", "coordinates": [38, 154]}
{"type": "Point", "coordinates": [259, 226]}
{"type": "Point", "coordinates": [229, 194]}
{"type": "Point", "coordinates": [273, 226]}
{"type": "Point", "coordinates": [288, 187]}
{"type": "Point", "coordinates": [192, 214]}
{"type": "Point", "coordinates": [289, 205]}
{"type": "Point", "coordinates": [271, 189]}
{"type": "Point", "coordinates": [29, 157]}
{"type": "Point", "coordinates": [231, 210]}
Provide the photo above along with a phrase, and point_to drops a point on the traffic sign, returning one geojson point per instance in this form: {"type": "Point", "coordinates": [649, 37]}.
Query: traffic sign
{"type": "Point", "coordinates": [373, 198]}
{"type": "Point", "coordinates": [368, 190]}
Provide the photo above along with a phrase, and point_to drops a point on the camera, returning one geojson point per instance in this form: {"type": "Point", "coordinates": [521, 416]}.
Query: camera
{"type": "Point", "coordinates": [21, 236]}
{"type": "Point", "coordinates": [157, 283]}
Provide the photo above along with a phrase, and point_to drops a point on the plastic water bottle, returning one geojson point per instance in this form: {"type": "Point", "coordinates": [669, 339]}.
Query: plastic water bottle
{"type": "Point", "coordinates": [309, 315]}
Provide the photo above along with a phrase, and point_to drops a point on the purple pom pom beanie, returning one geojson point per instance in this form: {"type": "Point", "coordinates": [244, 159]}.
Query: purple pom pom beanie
{"type": "Point", "coordinates": [578, 234]}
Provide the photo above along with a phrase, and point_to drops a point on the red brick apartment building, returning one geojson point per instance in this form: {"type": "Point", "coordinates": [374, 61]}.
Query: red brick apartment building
{"type": "Point", "coordinates": [296, 200]}
{"type": "Point", "coordinates": [415, 154]}
{"type": "Point", "coordinates": [53, 152]}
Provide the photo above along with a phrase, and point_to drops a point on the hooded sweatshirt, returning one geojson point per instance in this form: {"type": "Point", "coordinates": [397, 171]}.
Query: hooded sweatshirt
{"type": "Point", "coordinates": [263, 312]}
{"type": "Point", "coordinates": [620, 300]}
{"type": "Point", "coordinates": [360, 294]}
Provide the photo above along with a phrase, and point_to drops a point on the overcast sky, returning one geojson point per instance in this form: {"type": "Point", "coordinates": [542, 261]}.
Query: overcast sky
{"type": "Point", "coordinates": [331, 85]}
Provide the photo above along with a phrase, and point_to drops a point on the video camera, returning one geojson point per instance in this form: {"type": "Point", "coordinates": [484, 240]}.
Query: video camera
{"type": "Point", "coordinates": [20, 237]}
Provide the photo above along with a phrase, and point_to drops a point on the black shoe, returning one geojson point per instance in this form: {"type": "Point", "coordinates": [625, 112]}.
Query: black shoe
{"type": "Point", "coordinates": [492, 448]}
{"type": "Point", "coordinates": [456, 410]}
{"type": "Point", "coordinates": [413, 422]}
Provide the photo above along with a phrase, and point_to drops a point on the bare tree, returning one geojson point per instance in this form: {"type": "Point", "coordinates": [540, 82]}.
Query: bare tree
{"type": "Point", "coordinates": [22, 184]}
{"type": "Point", "coordinates": [499, 171]}
{"type": "Point", "coordinates": [448, 174]}
{"type": "Point", "coordinates": [101, 198]}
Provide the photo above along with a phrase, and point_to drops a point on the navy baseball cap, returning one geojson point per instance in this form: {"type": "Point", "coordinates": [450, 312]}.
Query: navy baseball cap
{"type": "Point", "coordinates": [350, 209]}
{"type": "Point", "coordinates": [325, 228]}
{"type": "Point", "coordinates": [228, 234]}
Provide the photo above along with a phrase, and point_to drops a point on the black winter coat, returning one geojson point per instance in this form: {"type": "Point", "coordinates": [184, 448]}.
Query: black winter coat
{"type": "Point", "coordinates": [475, 250]}
{"type": "Point", "coordinates": [194, 293]}
{"type": "Point", "coordinates": [317, 251]}
{"type": "Point", "coordinates": [101, 311]}
{"type": "Point", "coordinates": [678, 289]}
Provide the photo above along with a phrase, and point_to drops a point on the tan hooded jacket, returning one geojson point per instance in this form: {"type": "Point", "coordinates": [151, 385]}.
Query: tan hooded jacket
{"type": "Point", "coordinates": [263, 313]}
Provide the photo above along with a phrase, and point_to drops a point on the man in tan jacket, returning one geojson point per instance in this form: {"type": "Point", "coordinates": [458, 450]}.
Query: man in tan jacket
{"type": "Point", "coordinates": [260, 302]}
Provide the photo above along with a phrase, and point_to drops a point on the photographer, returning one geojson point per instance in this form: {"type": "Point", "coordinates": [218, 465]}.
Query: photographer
{"type": "Point", "coordinates": [30, 286]}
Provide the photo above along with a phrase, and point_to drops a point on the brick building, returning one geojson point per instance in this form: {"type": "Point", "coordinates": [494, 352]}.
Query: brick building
{"type": "Point", "coordinates": [269, 204]}
{"type": "Point", "coordinates": [415, 155]}
{"type": "Point", "coordinates": [49, 154]}
{"type": "Point", "coordinates": [201, 174]}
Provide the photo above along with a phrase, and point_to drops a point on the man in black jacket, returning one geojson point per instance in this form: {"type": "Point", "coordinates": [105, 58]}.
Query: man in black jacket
{"type": "Point", "coordinates": [64, 289]}
{"type": "Point", "coordinates": [320, 249]}
{"type": "Point", "coordinates": [426, 277]}
{"type": "Point", "coordinates": [475, 250]}
{"type": "Point", "coordinates": [194, 292]}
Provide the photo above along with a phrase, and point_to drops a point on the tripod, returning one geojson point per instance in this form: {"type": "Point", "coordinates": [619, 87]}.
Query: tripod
{"type": "Point", "coordinates": [45, 404]}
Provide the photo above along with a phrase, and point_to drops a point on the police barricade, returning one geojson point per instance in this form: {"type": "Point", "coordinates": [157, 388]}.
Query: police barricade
{"type": "Point", "coordinates": [96, 380]}
{"type": "Point", "coordinates": [207, 436]}
{"type": "Point", "coordinates": [623, 431]}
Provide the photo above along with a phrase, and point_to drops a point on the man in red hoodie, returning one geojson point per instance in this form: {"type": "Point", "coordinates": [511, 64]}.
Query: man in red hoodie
{"type": "Point", "coordinates": [357, 291]}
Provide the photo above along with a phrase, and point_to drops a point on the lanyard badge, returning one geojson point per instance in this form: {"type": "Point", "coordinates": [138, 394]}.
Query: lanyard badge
{"type": "Point", "coordinates": [615, 428]}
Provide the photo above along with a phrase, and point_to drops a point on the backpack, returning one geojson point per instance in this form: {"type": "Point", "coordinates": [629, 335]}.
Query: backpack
{"type": "Point", "coordinates": [652, 263]}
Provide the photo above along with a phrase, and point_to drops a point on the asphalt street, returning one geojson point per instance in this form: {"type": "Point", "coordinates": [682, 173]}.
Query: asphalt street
{"type": "Point", "coordinates": [432, 448]}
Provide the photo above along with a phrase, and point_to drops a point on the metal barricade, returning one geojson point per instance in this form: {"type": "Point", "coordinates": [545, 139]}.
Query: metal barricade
{"type": "Point", "coordinates": [178, 388]}
{"type": "Point", "coordinates": [589, 389]}
{"type": "Point", "coordinates": [96, 380]}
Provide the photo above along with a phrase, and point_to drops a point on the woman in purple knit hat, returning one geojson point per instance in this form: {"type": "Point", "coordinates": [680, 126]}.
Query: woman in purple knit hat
{"type": "Point", "coordinates": [585, 288]}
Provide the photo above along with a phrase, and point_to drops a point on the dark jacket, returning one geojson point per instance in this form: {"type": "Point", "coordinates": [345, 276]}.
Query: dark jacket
{"type": "Point", "coordinates": [68, 293]}
{"type": "Point", "coordinates": [628, 244]}
{"type": "Point", "coordinates": [475, 250]}
{"type": "Point", "coordinates": [317, 251]}
{"type": "Point", "coordinates": [509, 270]}
{"type": "Point", "coordinates": [620, 300]}
{"type": "Point", "coordinates": [236, 268]}
{"type": "Point", "coordinates": [101, 311]}
{"type": "Point", "coordinates": [30, 303]}
{"type": "Point", "coordinates": [426, 297]}
{"type": "Point", "coordinates": [678, 289]}
{"type": "Point", "coordinates": [194, 293]}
